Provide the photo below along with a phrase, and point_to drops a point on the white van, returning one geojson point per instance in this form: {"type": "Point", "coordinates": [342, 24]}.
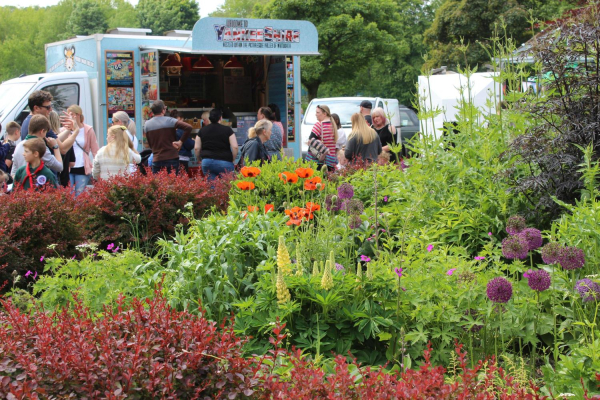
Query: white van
{"type": "Point", "coordinates": [344, 107]}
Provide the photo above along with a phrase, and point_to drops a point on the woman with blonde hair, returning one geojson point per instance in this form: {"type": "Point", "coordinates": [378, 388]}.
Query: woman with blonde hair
{"type": "Point", "coordinates": [116, 156]}
{"type": "Point", "coordinates": [86, 141]}
{"type": "Point", "coordinates": [363, 141]}
{"type": "Point", "coordinates": [385, 130]}
{"type": "Point", "coordinates": [325, 131]}
{"type": "Point", "coordinates": [122, 118]}
{"type": "Point", "coordinates": [254, 148]}
{"type": "Point", "coordinates": [68, 156]}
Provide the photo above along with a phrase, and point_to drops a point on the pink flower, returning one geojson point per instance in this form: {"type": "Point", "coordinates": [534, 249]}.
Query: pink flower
{"type": "Point", "coordinates": [385, 199]}
{"type": "Point", "coordinates": [429, 248]}
{"type": "Point", "coordinates": [42, 259]}
{"type": "Point", "coordinates": [116, 249]}
{"type": "Point", "coordinates": [479, 258]}
{"type": "Point", "coordinates": [398, 272]}
{"type": "Point", "coordinates": [28, 273]}
{"type": "Point", "coordinates": [35, 276]}
{"type": "Point", "coordinates": [450, 271]}
{"type": "Point", "coordinates": [489, 233]}
{"type": "Point", "coordinates": [110, 246]}
{"type": "Point", "coordinates": [74, 255]}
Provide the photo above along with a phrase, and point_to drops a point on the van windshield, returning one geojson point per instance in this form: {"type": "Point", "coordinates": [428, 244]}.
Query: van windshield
{"type": "Point", "coordinates": [343, 108]}
{"type": "Point", "coordinates": [11, 94]}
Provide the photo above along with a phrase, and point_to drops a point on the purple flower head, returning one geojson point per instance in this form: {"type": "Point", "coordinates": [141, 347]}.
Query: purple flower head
{"type": "Point", "coordinates": [479, 258]}
{"type": "Point", "coordinates": [28, 273]}
{"type": "Point", "coordinates": [429, 248]}
{"type": "Point", "coordinates": [533, 237]}
{"type": "Point", "coordinates": [339, 267]}
{"type": "Point", "coordinates": [42, 259]}
{"type": "Point", "coordinates": [499, 290]}
{"type": "Point", "coordinates": [527, 274]}
{"type": "Point", "coordinates": [353, 206]}
{"type": "Point", "coordinates": [345, 191]}
{"type": "Point", "coordinates": [515, 247]}
{"type": "Point", "coordinates": [385, 199]}
{"type": "Point", "coordinates": [450, 271]}
{"type": "Point", "coordinates": [489, 233]}
{"type": "Point", "coordinates": [398, 272]}
{"type": "Point", "coordinates": [365, 258]}
{"type": "Point", "coordinates": [515, 224]}
{"type": "Point", "coordinates": [551, 252]}
{"type": "Point", "coordinates": [588, 289]}
{"type": "Point", "coordinates": [571, 258]}
{"type": "Point", "coordinates": [539, 280]}
{"type": "Point", "coordinates": [355, 222]}
{"type": "Point", "coordinates": [110, 246]}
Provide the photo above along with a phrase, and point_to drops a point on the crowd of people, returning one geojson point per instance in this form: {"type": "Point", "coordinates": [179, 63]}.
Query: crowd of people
{"type": "Point", "coordinates": [51, 149]}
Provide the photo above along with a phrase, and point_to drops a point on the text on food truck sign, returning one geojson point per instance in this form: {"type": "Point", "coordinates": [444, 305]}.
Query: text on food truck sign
{"type": "Point", "coordinates": [235, 33]}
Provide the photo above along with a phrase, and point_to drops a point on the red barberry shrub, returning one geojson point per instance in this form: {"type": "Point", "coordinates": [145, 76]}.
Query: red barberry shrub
{"type": "Point", "coordinates": [29, 222]}
{"type": "Point", "coordinates": [123, 207]}
{"type": "Point", "coordinates": [143, 350]}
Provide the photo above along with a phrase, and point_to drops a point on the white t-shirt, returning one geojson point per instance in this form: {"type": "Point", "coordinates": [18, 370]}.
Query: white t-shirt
{"type": "Point", "coordinates": [341, 142]}
{"type": "Point", "coordinates": [134, 139]}
{"type": "Point", "coordinates": [78, 149]}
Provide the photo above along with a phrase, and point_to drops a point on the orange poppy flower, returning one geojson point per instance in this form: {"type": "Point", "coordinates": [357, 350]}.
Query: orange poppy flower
{"type": "Point", "coordinates": [250, 172]}
{"type": "Point", "coordinates": [252, 208]}
{"type": "Point", "coordinates": [288, 177]}
{"type": "Point", "coordinates": [244, 185]}
{"type": "Point", "coordinates": [269, 207]}
{"type": "Point", "coordinates": [310, 206]}
{"type": "Point", "coordinates": [296, 214]}
{"type": "Point", "coordinates": [295, 210]}
{"type": "Point", "coordinates": [305, 172]}
{"type": "Point", "coordinates": [311, 184]}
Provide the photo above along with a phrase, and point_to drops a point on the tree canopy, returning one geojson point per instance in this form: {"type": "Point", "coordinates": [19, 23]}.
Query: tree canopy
{"type": "Point", "coordinates": [166, 15]}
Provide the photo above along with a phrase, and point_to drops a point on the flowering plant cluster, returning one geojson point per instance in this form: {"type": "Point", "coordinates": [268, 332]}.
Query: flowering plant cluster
{"type": "Point", "coordinates": [521, 240]}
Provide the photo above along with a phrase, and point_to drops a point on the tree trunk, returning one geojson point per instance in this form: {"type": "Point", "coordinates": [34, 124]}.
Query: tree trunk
{"type": "Point", "coordinates": [313, 89]}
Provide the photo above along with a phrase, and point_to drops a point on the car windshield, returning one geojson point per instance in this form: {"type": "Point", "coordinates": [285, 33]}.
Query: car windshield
{"type": "Point", "coordinates": [343, 108]}
{"type": "Point", "coordinates": [11, 94]}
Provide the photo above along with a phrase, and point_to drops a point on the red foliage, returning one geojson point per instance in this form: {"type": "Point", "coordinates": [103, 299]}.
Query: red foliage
{"type": "Point", "coordinates": [142, 351]}
{"type": "Point", "coordinates": [149, 202]}
{"type": "Point", "coordinates": [29, 222]}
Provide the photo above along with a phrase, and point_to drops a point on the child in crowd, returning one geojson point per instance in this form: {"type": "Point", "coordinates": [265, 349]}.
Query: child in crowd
{"type": "Point", "coordinates": [13, 134]}
{"type": "Point", "coordinates": [35, 174]}
{"type": "Point", "coordinates": [4, 177]}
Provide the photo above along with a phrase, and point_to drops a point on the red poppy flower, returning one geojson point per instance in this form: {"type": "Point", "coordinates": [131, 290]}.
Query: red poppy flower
{"type": "Point", "coordinates": [244, 185]}
{"type": "Point", "coordinates": [252, 208]}
{"type": "Point", "coordinates": [311, 184]}
{"type": "Point", "coordinates": [305, 172]}
{"type": "Point", "coordinates": [250, 172]}
{"type": "Point", "coordinates": [288, 177]}
{"type": "Point", "coordinates": [310, 206]}
{"type": "Point", "coordinates": [269, 207]}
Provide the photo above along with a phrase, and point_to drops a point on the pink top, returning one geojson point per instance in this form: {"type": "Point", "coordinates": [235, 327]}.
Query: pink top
{"type": "Point", "coordinates": [324, 132]}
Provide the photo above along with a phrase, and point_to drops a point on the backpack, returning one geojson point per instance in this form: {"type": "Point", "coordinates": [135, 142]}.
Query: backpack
{"type": "Point", "coordinates": [317, 149]}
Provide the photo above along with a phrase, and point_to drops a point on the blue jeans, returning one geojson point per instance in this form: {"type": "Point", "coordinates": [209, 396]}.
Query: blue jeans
{"type": "Point", "coordinates": [213, 168]}
{"type": "Point", "coordinates": [170, 165]}
{"type": "Point", "coordinates": [79, 182]}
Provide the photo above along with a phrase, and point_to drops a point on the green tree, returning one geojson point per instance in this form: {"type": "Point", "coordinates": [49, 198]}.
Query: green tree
{"type": "Point", "coordinates": [166, 15]}
{"type": "Point", "coordinates": [122, 15]}
{"type": "Point", "coordinates": [87, 18]}
{"type": "Point", "coordinates": [237, 8]}
{"type": "Point", "coordinates": [350, 32]}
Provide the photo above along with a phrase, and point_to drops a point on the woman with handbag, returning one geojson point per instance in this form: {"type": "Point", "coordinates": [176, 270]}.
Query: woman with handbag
{"type": "Point", "coordinates": [86, 141]}
{"type": "Point", "coordinates": [324, 133]}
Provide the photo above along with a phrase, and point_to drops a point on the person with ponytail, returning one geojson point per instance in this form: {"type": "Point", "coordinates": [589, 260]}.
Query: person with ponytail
{"type": "Point", "coordinates": [363, 142]}
{"type": "Point", "coordinates": [116, 156]}
{"type": "Point", "coordinates": [254, 149]}
{"type": "Point", "coordinates": [325, 131]}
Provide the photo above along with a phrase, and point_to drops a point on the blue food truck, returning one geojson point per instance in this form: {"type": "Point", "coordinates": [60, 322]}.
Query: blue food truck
{"type": "Point", "coordinates": [238, 65]}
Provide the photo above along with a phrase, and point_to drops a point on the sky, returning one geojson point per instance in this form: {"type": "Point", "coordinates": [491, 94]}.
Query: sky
{"type": "Point", "coordinates": [206, 6]}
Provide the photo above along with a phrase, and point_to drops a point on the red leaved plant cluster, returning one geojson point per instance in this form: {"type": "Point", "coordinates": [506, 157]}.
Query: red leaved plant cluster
{"type": "Point", "coordinates": [149, 203]}
{"type": "Point", "coordinates": [148, 350]}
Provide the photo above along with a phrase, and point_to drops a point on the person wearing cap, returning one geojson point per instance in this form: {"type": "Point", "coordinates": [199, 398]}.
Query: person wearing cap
{"type": "Point", "coordinates": [365, 111]}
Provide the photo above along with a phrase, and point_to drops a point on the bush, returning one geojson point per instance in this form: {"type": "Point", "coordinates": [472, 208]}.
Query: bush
{"type": "Point", "coordinates": [138, 208]}
{"type": "Point", "coordinates": [142, 351]}
{"type": "Point", "coordinates": [30, 222]}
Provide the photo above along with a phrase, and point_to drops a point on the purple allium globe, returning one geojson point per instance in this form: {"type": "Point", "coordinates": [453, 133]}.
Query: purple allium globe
{"type": "Point", "coordinates": [533, 237]}
{"type": "Point", "coordinates": [539, 280]}
{"type": "Point", "coordinates": [333, 203]}
{"type": "Point", "coordinates": [515, 224]}
{"type": "Point", "coordinates": [354, 206]}
{"type": "Point", "coordinates": [571, 258]}
{"type": "Point", "coordinates": [499, 290]}
{"type": "Point", "coordinates": [345, 191]}
{"type": "Point", "coordinates": [551, 252]}
{"type": "Point", "coordinates": [515, 247]}
{"type": "Point", "coordinates": [354, 221]}
{"type": "Point", "coordinates": [588, 289]}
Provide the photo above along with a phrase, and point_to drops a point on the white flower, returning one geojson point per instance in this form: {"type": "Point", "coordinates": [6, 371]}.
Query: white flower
{"type": "Point", "coordinates": [566, 395]}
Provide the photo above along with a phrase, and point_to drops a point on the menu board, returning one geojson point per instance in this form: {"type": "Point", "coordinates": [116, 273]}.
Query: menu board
{"type": "Point", "coordinates": [149, 85]}
{"type": "Point", "coordinates": [120, 90]}
{"type": "Point", "coordinates": [244, 123]}
{"type": "Point", "coordinates": [289, 84]}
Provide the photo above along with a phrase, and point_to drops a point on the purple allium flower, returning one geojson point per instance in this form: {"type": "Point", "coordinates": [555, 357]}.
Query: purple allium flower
{"type": "Point", "coordinates": [515, 247]}
{"type": "Point", "coordinates": [474, 314]}
{"type": "Point", "coordinates": [515, 224]}
{"type": "Point", "coordinates": [588, 289]}
{"type": "Point", "coordinates": [333, 203]}
{"type": "Point", "coordinates": [479, 258]}
{"type": "Point", "coordinates": [365, 258]}
{"type": "Point", "coordinates": [571, 258]}
{"type": "Point", "coordinates": [398, 272]}
{"type": "Point", "coordinates": [429, 248]}
{"type": "Point", "coordinates": [339, 267]}
{"type": "Point", "coordinates": [110, 246]}
{"type": "Point", "coordinates": [499, 290]}
{"type": "Point", "coordinates": [353, 206]}
{"type": "Point", "coordinates": [533, 237]}
{"type": "Point", "coordinates": [345, 191]}
{"type": "Point", "coordinates": [551, 252]}
{"type": "Point", "coordinates": [355, 222]}
{"type": "Point", "coordinates": [451, 271]}
{"type": "Point", "coordinates": [539, 280]}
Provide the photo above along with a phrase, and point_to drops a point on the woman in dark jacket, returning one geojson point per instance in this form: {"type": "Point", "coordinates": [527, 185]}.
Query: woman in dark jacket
{"type": "Point", "coordinates": [254, 148]}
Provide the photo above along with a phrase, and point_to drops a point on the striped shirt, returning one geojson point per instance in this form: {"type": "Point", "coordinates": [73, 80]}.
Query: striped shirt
{"type": "Point", "coordinates": [324, 133]}
{"type": "Point", "coordinates": [105, 165]}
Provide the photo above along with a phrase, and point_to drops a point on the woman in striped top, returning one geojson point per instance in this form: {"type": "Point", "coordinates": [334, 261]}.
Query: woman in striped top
{"type": "Point", "coordinates": [326, 131]}
{"type": "Point", "coordinates": [115, 157]}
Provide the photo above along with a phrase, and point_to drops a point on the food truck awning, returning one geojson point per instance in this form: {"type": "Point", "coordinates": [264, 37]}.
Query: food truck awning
{"type": "Point", "coordinates": [189, 50]}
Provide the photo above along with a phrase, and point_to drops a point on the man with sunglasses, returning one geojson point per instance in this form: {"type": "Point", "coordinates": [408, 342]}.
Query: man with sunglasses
{"type": "Point", "coordinates": [40, 103]}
